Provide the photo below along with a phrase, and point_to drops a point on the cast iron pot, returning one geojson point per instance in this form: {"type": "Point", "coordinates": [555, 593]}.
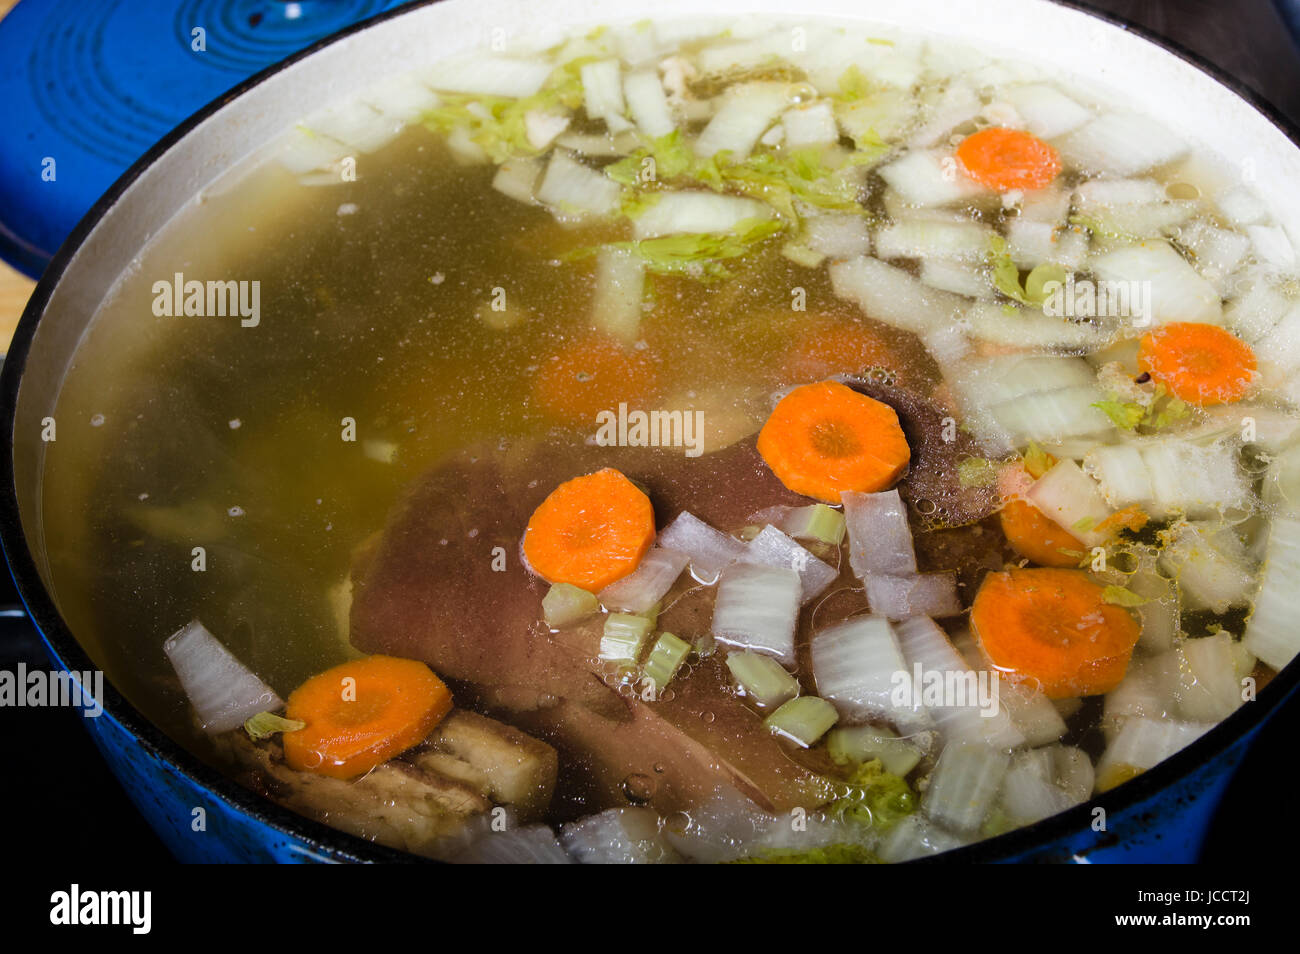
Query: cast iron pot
{"type": "Point", "coordinates": [1160, 815]}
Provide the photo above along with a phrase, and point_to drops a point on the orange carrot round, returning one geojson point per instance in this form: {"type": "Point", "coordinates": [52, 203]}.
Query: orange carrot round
{"type": "Point", "coordinates": [1006, 159]}
{"type": "Point", "coordinates": [823, 439]}
{"type": "Point", "coordinates": [590, 531]}
{"type": "Point", "coordinates": [1036, 537]}
{"type": "Point", "coordinates": [1200, 364]}
{"type": "Point", "coordinates": [837, 348]}
{"type": "Point", "coordinates": [591, 375]}
{"type": "Point", "coordinates": [362, 713]}
{"type": "Point", "coordinates": [1051, 628]}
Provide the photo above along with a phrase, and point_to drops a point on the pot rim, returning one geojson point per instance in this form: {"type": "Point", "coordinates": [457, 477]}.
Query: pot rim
{"type": "Point", "coordinates": [338, 845]}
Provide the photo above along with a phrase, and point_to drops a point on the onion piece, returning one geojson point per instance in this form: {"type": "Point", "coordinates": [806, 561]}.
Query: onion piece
{"type": "Point", "coordinates": [488, 75]}
{"type": "Point", "coordinates": [773, 548]}
{"type": "Point", "coordinates": [1121, 144]}
{"type": "Point", "coordinates": [695, 213]}
{"type": "Point", "coordinates": [757, 608]}
{"type": "Point", "coordinates": [529, 845]}
{"type": "Point", "coordinates": [857, 665]}
{"type": "Point", "coordinates": [916, 837]}
{"type": "Point", "coordinates": [926, 594]}
{"type": "Point", "coordinates": [928, 179]}
{"type": "Point", "coordinates": [1068, 496]}
{"type": "Point", "coordinates": [618, 836]}
{"type": "Point", "coordinates": [895, 296]}
{"type": "Point", "coordinates": [951, 691]}
{"type": "Point", "coordinates": [880, 538]}
{"type": "Point", "coordinates": [1141, 744]}
{"type": "Point", "coordinates": [640, 590]}
{"type": "Point", "coordinates": [1029, 791]}
{"type": "Point", "coordinates": [647, 103]}
{"type": "Point", "coordinates": [1272, 633]}
{"type": "Point", "coordinates": [710, 551]}
{"type": "Point", "coordinates": [746, 110]}
{"type": "Point", "coordinates": [569, 186]}
{"type": "Point", "coordinates": [223, 691]}
{"type": "Point", "coordinates": [964, 784]}
{"type": "Point", "coordinates": [1210, 676]}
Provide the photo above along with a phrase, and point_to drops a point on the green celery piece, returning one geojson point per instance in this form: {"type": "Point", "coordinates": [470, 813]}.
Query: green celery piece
{"type": "Point", "coordinates": [1121, 596]}
{"type": "Point", "coordinates": [623, 638]}
{"type": "Point", "coordinates": [855, 745]}
{"type": "Point", "coordinates": [803, 720]}
{"type": "Point", "coordinates": [565, 604]}
{"type": "Point", "coordinates": [266, 724]}
{"type": "Point", "coordinates": [666, 657]}
{"type": "Point", "coordinates": [762, 678]}
{"type": "Point", "coordinates": [876, 797]}
{"type": "Point", "coordinates": [1125, 414]}
{"type": "Point", "coordinates": [816, 522]}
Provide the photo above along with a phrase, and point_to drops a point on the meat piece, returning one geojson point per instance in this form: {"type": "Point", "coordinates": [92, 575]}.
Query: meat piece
{"type": "Point", "coordinates": [429, 590]}
{"type": "Point", "coordinates": [933, 486]}
{"type": "Point", "coordinates": [495, 759]}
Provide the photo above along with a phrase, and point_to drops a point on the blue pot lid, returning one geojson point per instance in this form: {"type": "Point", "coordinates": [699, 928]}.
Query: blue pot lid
{"type": "Point", "coordinates": [89, 85]}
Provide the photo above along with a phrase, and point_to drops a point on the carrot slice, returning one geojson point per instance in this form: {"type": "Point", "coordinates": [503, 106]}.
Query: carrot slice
{"type": "Point", "coordinates": [1036, 537]}
{"type": "Point", "coordinates": [362, 713]}
{"type": "Point", "coordinates": [590, 531]}
{"type": "Point", "coordinates": [1052, 628]}
{"type": "Point", "coordinates": [591, 375]}
{"type": "Point", "coordinates": [1006, 159]}
{"type": "Point", "coordinates": [823, 439]}
{"type": "Point", "coordinates": [838, 348]}
{"type": "Point", "coordinates": [1200, 364]}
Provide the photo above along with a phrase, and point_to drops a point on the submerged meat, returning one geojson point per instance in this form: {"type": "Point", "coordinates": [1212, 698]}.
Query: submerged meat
{"type": "Point", "coordinates": [444, 583]}
{"type": "Point", "coordinates": [932, 485]}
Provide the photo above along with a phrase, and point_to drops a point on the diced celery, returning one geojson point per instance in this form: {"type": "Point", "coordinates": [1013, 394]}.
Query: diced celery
{"type": "Point", "coordinates": [565, 604]}
{"type": "Point", "coordinates": [623, 638]}
{"type": "Point", "coordinates": [816, 522]}
{"type": "Point", "coordinates": [763, 678]}
{"type": "Point", "coordinates": [666, 657]}
{"type": "Point", "coordinates": [803, 720]}
{"type": "Point", "coordinates": [862, 743]}
{"type": "Point", "coordinates": [266, 724]}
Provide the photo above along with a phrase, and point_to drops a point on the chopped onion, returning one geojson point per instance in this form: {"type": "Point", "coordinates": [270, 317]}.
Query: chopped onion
{"type": "Point", "coordinates": [1210, 567]}
{"type": "Point", "coordinates": [647, 103]}
{"type": "Point", "coordinates": [570, 187]}
{"type": "Point", "coordinates": [1029, 793]}
{"type": "Point", "coordinates": [710, 551]}
{"type": "Point", "coordinates": [746, 110]}
{"type": "Point", "coordinates": [223, 691]}
{"type": "Point", "coordinates": [894, 296]}
{"type": "Point", "coordinates": [618, 836]}
{"type": "Point", "coordinates": [926, 594]}
{"type": "Point", "coordinates": [810, 125]}
{"type": "Point", "coordinates": [960, 241]}
{"type": "Point", "coordinates": [880, 538]}
{"type": "Point", "coordinates": [602, 92]}
{"type": "Point", "coordinates": [695, 212]}
{"type": "Point", "coordinates": [529, 845]}
{"type": "Point", "coordinates": [837, 235]}
{"type": "Point", "coordinates": [955, 277]}
{"type": "Point", "coordinates": [356, 125]}
{"type": "Point", "coordinates": [1141, 744]}
{"type": "Point", "coordinates": [950, 690]}
{"type": "Point", "coordinates": [1032, 713]}
{"type": "Point", "coordinates": [488, 75]}
{"type": "Point", "coordinates": [1148, 690]}
{"type": "Point", "coordinates": [1046, 111]}
{"type": "Point", "coordinates": [517, 179]}
{"type": "Point", "coordinates": [1121, 144]}
{"type": "Point", "coordinates": [762, 678]}
{"type": "Point", "coordinates": [857, 665]}
{"type": "Point", "coordinates": [928, 179]}
{"type": "Point", "coordinates": [757, 608]}
{"type": "Point", "coordinates": [1272, 633]}
{"type": "Point", "coordinates": [1054, 415]}
{"type": "Point", "coordinates": [1211, 677]}
{"type": "Point", "coordinates": [620, 289]}
{"type": "Point", "coordinates": [965, 782]}
{"type": "Point", "coordinates": [1072, 499]}
{"type": "Point", "coordinates": [1198, 481]}
{"type": "Point", "coordinates": [916, 837]}
{"type": "Point", "coordinates": [773, 548]}
{"type": "Point", "coordinates": [402, 97]}
{"type": "Point", "coordinates": [542, 127]}
{"type": "Point", "coordinates": [640, 590]}
{"type": "Point", "coordinates": [1177, 292]}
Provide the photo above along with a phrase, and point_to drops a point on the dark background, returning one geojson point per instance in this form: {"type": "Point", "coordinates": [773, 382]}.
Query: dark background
{"type": "Point", "coordinates": [57, 796]}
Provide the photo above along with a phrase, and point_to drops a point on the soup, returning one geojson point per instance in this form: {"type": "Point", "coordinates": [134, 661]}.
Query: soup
{"type": "Point", "coordinates": [788, 442]}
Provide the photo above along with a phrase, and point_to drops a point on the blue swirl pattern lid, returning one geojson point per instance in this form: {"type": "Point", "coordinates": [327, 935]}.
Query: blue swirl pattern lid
{"type": "Point", "coordinates": [87, 86]}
